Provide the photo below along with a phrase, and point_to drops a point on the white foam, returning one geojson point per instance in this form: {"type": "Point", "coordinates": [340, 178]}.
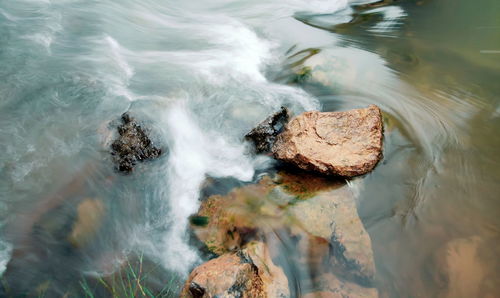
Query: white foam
{"type": "Point", "coordinates": [8, 16]}
{"type": "Point", "coordinates": [119, 79]}
{"type": "Point", "coordinates": [272, 9]}
{"type": "Point", "coordinates": [393, 16]}
{"type": "Point", "coordinates": [194, 153]}
{"type": "Point", "coordinates": [231, 51]}
{"type": "Point", "coordinates": [239, 50]}
{"type": "Point", "coordinates": [5, 254]}
{"type": "Point", "coordinates": [356, 186]}
{"type": "Point", "coordinates": [118, 58]}
{"type": "Point", "coordinates": [45, 35]}
{"type": "Point", "coordinates": [318, 6]}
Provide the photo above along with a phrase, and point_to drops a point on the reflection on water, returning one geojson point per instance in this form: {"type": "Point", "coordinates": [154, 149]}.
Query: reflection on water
{"type": "Point", "coordinates": [200, 75]}
{"type": "Point", "coordinates": [432, 207]}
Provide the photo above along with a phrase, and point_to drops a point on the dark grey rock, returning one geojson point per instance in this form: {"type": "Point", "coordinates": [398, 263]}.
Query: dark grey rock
{"type": "Point", "coordinates": [133, 145]}
{"type": "Point", "coordinates": [264, 134]}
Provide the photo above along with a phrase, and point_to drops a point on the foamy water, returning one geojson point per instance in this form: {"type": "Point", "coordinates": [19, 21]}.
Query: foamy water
{"type": "Point", "coordinates": [200, 67]}
{"type": "Point", "coordinates": [198, 75]}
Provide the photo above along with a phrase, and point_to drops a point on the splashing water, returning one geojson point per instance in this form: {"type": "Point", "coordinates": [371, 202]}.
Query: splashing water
{"type": "Point", "coordinates": [87, 62]}
{"type": "Point", "coordinates": [198, 75]}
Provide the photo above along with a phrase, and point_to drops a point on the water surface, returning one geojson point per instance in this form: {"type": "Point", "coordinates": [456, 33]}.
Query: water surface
{"type": "Point", "coordinates": [199, 75]}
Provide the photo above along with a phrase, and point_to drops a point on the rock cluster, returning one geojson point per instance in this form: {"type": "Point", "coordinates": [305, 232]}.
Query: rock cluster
{"type": "Point", "coordinates": [132, 146]}
{"type": "Point", "coordinates": [334, 143]}
{"type": "Point", "coordinates": [246, 273]}
{"type": "Point", "coordinates": [318, 215]}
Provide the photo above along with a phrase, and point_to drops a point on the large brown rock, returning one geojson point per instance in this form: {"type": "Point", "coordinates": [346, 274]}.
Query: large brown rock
{"type": "Point", "coordinates": [246, 273]}
{"type": "Point", "coordinates": [334, 143]}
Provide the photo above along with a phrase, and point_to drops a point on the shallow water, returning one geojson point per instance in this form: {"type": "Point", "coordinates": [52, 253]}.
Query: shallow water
{"type": "Point", "coordinates": [199, 75]}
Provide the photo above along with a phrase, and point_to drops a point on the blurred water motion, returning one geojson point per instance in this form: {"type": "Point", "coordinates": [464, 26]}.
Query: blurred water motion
{"type": "Point", "coordinates": [199, 75]}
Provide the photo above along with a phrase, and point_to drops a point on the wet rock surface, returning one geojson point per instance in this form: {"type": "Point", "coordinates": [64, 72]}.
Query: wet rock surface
{"type": "Point", "coordinates": [333, 287]}
{"type": "Point", "coordinates": [333, 216]}
{"type": "Point", "coordinates": [231, 220]}
{"type": "Point", "coordinates": [333, 143]}
{"type": "Point", "coordinates": [249, 272]}
{"type": "Point", "coordinates": [319, 214]}
{"type": "Point", "coordinates": [133, 145]}
{"type": "Point", "coordinates": [42, 236]}
{"type": "Point", "coordinates": [264, 134]}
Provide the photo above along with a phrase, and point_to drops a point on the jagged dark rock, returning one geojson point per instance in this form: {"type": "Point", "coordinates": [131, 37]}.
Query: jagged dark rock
{"type": "Point", "coordinates": [264, 134]}
{"type": "Point", "coordinates": [133, 145]}
{"type": "Point", "coordinates": [196, 290]}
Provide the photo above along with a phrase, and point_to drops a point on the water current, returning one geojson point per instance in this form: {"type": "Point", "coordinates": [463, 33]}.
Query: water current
{"type": "Point", "coordinates": [199, 75]}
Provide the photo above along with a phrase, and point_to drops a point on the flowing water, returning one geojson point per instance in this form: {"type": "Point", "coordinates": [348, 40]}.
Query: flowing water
{"type": "Point", "coordinates": [199, 75]}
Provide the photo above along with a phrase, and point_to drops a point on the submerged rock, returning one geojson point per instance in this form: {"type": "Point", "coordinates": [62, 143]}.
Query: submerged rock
{"type": "Point", "coordinates": [318, 212]}
{"type": "Point", "coordinates": [467, 267]}
{"type": "Point", "coordinates": [90, 216]}
{"type": "Point", "coordinates": [249, 272]}
{"type": "Point", "coordinates": [332, 215]}
{"type": "Point", "coordinates": [264, 134]}
{"type": "Point", "coordinates": [334, 143]}
{"type": "Point", "coordinates": [225, 223]}
{"type": "Point", "coordinates": [333, 287]}
{"type": "Point", "coordinates": [132, 146]}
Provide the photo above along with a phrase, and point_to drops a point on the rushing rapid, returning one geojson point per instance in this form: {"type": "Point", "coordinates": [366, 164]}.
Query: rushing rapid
{"type": "Point", "coordinates": [201, 74]}
{"type": "Point", "coordinates": [71, 67]}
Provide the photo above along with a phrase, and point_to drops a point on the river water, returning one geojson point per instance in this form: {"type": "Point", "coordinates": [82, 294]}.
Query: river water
{"type": "Point", "coordinates": [199, 75]}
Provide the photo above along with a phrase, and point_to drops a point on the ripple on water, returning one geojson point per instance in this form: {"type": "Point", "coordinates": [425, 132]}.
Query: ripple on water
{"type": "Point", "coordinates": [198, 74]}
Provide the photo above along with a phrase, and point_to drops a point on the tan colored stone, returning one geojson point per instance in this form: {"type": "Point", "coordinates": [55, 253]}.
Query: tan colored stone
{"type": "Point", "coordinates": [90, 216]}
{"type": "Point", "coordinates": [467, 267]}
{"type": "Point", "coordinates": [240, 213]}
{"type": "Point", "coordinates": [247, 273]}
{"type": "Point", "coordinates": [464, 270]}
{"type": "Point", "coordinates": [332, 215]}
{"type": "Point", "coordinates": [314, 253]}
{"type": "Point", "coordinates": [275, 282]}
{"type": "Point", "coordinates": [335, 143]}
